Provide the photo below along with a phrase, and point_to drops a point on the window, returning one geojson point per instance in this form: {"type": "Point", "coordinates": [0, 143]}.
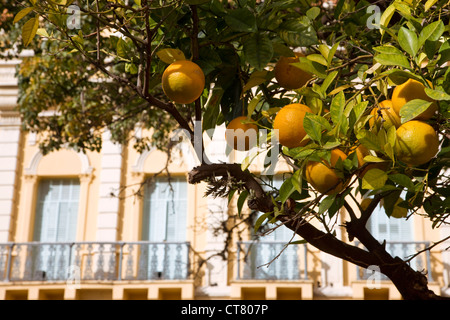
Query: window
{"type": "Point", "coordinates": [164, 225]}
{"type": "Point", "coordinates": [57, 210]}
{"type": "Point", "coordinates": [55, 222]}
{"type": "Point", "coordinates": [396, 232]}
{"type": "Point", "coordinates": [165, 210]}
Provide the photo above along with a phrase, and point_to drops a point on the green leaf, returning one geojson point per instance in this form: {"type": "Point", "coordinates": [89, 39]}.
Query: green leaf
{"type": "Point", "coordinates": [444, 52]}
{"type": "Point", "coordinates": [42, 32]}
{"type": "Point", "coordinates": [392, 60]}
{"type": "Point", "coordinates": [413, 108]}
{"type": "Point", "coordinates": [314, 125]}
{"type": "Point", "coordinates": [318, 58]}
{"type": "Point", "coordinates": [408, 41]}
{"type": "Point", "coordinates": [368, 139]}
{"type": "Point", "coordinates": [241, 200]}
{"type": "Point", "coordinates": [359, 109]}
{"type": "Point", "coordinates": [388, 49]}
{"type": "Point", "coordinates": [429, 4]}
{"type": "Point", "coordinates": [286, 190]}
{"type": "Point", "coordinates": [386, 17]}
{"type": "Point", "coordinates": [297, 180]}
{"type": "Point", "coordinates": [401, 76]}
{"type": "Point", "coordinates": [374, 179]}
{"type": "Point", "coordinates": [212, 109]}
{"type": "Point", "coordinates": [431, 32]}
{"type": "Point", "coordinates": [123, 49]}
{"type": "Point", "coordinates": [258, 50]}
{"type": "Point", "coordinates": [22, 13]}
{"type": "Point", "coordinates": [298, 32]}
{"type": "Point", "coordinates": [313, 13]}
{"type": "Point", "coordinates": [327, 82]}
{"type": "Point", "coordinates": [241, 20]}
{"type": "Point", "coordinates": [326, 203]}
{"type": "Point", "coordinates": [437, 94]}
{"type": "Point", "coordinates": [402, 180]}
{"type": "Point", "coordinates": [167, 55]}
{"type": "Point", "coordinates": [332, 52]}
{"type": "Point", "coordinates": [390, 201]}
{"type": "Point", "coordinates": [311, 67]}
{"type": "Point", "coordinates": [373, 159]}
{"type": "Point", "coordinates": [29, 30]}
{"type": "Point", "coordinates": [337, 107]}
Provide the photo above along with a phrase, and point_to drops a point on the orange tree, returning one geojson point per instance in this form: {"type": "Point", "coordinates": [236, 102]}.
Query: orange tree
{"type": "Point", "coordinates": [349, 59]}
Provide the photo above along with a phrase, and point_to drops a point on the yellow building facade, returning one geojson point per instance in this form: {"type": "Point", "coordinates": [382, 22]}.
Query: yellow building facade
{"type": "Point", "coordinates": [115, 225]}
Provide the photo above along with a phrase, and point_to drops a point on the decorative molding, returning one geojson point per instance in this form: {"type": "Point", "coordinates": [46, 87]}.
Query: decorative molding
{"type": "Point", "coordinates": [138, 167]}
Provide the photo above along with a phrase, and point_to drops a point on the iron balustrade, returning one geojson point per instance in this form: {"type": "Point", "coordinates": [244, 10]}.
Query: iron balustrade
{"type": "Point", "coordinates": [404, 250]}
{"type": "Point", "coordinates": [101, 261]}
{"type": "Point", "coordinates": [271, 260]}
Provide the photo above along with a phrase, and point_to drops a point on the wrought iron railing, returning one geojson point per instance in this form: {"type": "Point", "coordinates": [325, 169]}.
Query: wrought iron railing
{"type": "Point", "coordinates": [404, 250]}
{"type": "Point", "coordinates": [101, 261]}
{"type": "Point", "coordinates": [271, 260]}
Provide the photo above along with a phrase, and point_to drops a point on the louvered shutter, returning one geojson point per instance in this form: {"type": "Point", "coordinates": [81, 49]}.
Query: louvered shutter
{"type": "Point", "coordinates": [164, 219]}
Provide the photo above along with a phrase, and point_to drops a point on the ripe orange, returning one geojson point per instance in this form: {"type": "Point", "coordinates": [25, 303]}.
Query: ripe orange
{"type": "Point", "coordinates": [388, 116]}
{"type": "Point", "coordinates": [289, 76]}
{"type": "Point", "coordinates": [410, 90]}
{"type": "Point", "coordinates": [241, 136]}
{"type": "Point", "coordinates": [183, 81]}
{"type": "Point", "coordinates": [322, 176]}
{"type": "Point", "coordinates": [288, 125]}
{"type": "Point", "coordinates": [417, 143]}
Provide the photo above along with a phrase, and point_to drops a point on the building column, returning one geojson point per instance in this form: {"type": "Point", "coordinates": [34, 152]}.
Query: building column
{"type": "Point", "coordinates": [110, 182]}
{"type": "Point", "coordinates": [10, 135]}
{"type": "Point", "coordinates": [9, 156]}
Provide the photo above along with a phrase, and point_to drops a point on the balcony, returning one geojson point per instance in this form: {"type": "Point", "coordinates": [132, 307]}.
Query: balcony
{"type": "Point", "coordinates": [271, 260]}
{"type": "Point", "coordinates": [404, 250]}
{"type": "Point", "coordinates": [99, 261]}
{"type": "Point", "coordinates": [271, 270]}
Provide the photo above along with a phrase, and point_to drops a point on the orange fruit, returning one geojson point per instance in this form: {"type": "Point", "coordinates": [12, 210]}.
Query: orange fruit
{"type": "Point", "coordinates": [388, 116]}
{"type": "Point", "coordinates": [322, 175]}
{"type": "Point", "coordinates": [417, 143]}
{"type": "Point", "coordinates": [241, 136]}
{"type": "Point", "coordinates": [288, 125]}
{"type": "Point", "coordinates": [410, 90]}
{"type": "Point", "coordinates": [289, 76]}
{"type": "Point", "coordinates": [183, 81]}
